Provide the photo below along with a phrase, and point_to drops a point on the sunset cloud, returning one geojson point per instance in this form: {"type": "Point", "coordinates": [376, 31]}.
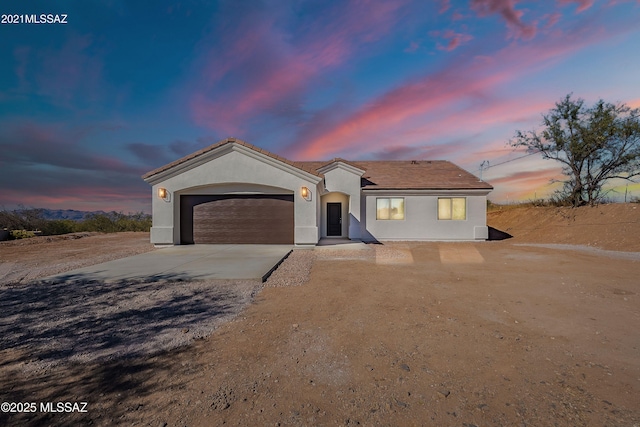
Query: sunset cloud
{"type": "Point", "coordinates": [50, 163]}
{"type": "Point", "coordinates": [582, 4]}
{"type": "Point", "coordinates": [507, 10]}
{"type": "Point", "coordinates": [436, 97]}
{"type": "Point", "coordinates": [274, 71]}
{"type": "Point", "coordinates": [453, 39]}
{"type": "Point", "coordinates": [87, 108]}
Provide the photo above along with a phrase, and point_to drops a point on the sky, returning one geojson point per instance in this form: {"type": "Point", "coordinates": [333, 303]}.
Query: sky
{"type": "Point", "coordinates": [123, 87]}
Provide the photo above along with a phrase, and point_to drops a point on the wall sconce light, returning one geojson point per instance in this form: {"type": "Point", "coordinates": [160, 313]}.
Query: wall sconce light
{"type": "Point", "coordinates": [305, 193]}
{"type": "Point", "coordinates": [163, 193]}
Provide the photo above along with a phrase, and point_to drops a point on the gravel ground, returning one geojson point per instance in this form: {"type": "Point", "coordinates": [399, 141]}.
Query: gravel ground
{"type": "Point", "coordinates": [86, 321]}
{"type": "Point", "coordinates": [293, 271]}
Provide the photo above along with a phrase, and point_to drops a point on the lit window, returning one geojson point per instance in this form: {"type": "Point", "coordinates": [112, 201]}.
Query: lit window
{"type": "Point", "coordinates": [390, 208]}
{"type": "Point", "coordinates": [452, 208]}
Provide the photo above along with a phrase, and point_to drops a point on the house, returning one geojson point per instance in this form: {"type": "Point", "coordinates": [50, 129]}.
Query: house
{"type": "Point", "coordinates": [234, 192]}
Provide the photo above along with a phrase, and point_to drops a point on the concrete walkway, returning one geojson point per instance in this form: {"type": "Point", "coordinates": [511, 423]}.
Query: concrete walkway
{"type": "Point", "coordinates": [188, 262]}
{"type": "Point", "coordinates": [329, 243]}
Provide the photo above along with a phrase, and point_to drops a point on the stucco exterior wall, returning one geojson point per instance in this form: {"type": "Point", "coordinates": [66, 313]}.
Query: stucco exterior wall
{"type": "Point", "coordinates": [233, 172]}
{"type": "Point", "coordinates": [421, 219]}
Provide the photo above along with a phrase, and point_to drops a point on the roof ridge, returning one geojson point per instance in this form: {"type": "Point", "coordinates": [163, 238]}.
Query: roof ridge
{"type": "Point", "coordinates": [219, 144]}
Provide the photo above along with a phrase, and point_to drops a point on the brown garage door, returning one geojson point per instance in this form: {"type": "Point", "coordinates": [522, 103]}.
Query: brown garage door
{"type": "Point", "coordinates": [257, 219]}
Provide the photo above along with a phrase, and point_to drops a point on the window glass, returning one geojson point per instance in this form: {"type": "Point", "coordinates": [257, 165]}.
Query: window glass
{"type": "Point", "coordinates": [452, 208]}
{"type": "Point", "coordinates": [444, 208]}
{"type": "Point", "coordinates": [389, 208]}
{"type": "Point", "coordinates": [382, 208]}
{"type": "Point", "coordinates": [397, 209]}
{"type": "Point", "coordinates": [459, 208]}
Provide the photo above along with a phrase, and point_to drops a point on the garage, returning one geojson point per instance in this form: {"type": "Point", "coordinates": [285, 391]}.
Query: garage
{"type": "Point", "coordinates": [237, 219]}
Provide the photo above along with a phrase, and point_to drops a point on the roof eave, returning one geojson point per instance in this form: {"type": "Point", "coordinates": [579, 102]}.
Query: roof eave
{"type": "Point", "coordinates": [216, 150]}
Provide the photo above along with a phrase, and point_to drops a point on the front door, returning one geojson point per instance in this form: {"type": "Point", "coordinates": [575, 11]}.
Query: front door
{"type": "Point", "coordinates": [334, 219]}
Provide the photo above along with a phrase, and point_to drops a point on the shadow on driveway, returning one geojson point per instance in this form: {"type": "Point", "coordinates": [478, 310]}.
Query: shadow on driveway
{"type": "Point", "coordinates": [88, 320]}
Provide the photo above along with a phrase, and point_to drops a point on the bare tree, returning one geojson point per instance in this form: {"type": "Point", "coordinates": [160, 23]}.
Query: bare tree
{"type": "Point", "coordinates": [594, 144]}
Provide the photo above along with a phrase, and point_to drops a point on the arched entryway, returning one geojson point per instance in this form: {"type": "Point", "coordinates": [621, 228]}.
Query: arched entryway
{"type": "Point", "coordinates": [335, 215]}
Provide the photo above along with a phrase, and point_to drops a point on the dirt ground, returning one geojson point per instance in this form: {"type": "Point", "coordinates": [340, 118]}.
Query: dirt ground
{"type": "Point", "coordinates": [436, 334]}
{"type": "Point", "coordinates": [612, 227]}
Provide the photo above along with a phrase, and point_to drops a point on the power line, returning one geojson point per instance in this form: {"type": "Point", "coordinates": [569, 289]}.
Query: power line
{"type": "Point", "coordinates": [482, 167]}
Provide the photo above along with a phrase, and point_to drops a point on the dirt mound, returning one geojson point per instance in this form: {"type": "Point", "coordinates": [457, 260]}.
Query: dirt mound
{"type": "Point", "coordinates": [612, 227]}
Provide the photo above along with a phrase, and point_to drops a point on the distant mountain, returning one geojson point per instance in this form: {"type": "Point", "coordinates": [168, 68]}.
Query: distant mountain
{"type": "Point", "coordinates": [71, 214]}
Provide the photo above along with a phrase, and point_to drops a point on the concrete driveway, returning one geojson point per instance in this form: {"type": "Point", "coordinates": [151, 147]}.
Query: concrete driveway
{"type": "Point", "coordinates": [188, 262]}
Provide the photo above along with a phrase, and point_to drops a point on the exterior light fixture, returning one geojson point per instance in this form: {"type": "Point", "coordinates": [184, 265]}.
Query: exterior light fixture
{"type": "Point", "coordinates": [305, 193]}
{"type": "Point", "coordinates": [163, 193]}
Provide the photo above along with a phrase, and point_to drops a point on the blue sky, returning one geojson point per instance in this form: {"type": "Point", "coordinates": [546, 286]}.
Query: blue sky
{"type": "Point", "coordinates": [126, 86]}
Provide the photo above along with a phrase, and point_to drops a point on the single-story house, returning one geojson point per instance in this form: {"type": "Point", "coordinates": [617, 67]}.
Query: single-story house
{"type": "Point", "coordinates": [235, 192]}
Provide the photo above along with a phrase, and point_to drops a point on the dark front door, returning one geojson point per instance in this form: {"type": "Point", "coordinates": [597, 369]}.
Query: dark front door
{"type": "Point", "coordinates": [334, 219]}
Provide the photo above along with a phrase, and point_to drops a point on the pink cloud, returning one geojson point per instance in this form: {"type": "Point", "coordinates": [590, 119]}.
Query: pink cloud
{"type": "Point", "coordinates": [454, 40]}
{"type": "Point", "coordinates": [413, 46]}
{"type": "Point", "coordinates": [403, 152]}
{"type": "Point", "coordinates": [432, 102]}
{"type": "Point", "coordinates": [46, 164]}
{"type": "Point", "coordinates": [582, 4]}
{"type": "Point", "coordinates": [552, 19]}
{"type": "Point", "coordinates": [527, 179]}
{"type": "Point", "coordinates": [87, 199]}
{"type": "Point", "coordinates": [506, 9]}
{"type": "Point", "coordinates": [524, 184]}
{"type": "Point", "coordinates": [274, 71]}
{"type": "Point", "coordinates": [29, 143]}
{"type": "Point", "coordinates": [457, 16]}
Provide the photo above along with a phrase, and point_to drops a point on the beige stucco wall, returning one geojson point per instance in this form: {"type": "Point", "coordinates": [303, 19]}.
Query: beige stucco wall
{"type": "Point", "coordinates": [421, 218]}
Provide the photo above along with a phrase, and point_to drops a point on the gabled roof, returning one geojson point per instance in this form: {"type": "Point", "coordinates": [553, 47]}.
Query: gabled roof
{"type": "Point", "coordinates": [418, 174]}
{"type": "Point", "coordinates": [378, 175]}
{"type": "Point", "coordinates": [337, 160]}
{"type": "Point", "coordinates": [411, 175]}
{"type": "Point", "coordinates": [220, 144]}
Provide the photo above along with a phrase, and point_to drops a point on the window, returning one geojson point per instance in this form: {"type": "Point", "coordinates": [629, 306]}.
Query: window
{"type": "Point", "coordinates": [452, 208]}
{"type": "Point", "coordinates": [390, 208]}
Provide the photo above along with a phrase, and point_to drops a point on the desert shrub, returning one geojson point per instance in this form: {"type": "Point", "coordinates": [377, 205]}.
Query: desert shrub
{"type": "Point", "coordinates": [134, 222]}
{"type": "Point", "coordinates": [538, 202]}
{"type": "Point", "coordinates": [560, 200]}
{"type": "Point", "coordinates": [22, 219]}
{"type": "Point", "coordinates": [98, 222]}
{"type": "Point", "coordinates": [21, 234]}
{"type": "Point", "coordinates": [491, 206]}
{"type": "Point", "coordinates": [58, 226]}
{"type": "Point", "coordinates": [114, 222]}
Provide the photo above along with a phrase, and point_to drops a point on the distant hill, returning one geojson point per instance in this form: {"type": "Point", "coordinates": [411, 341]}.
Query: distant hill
{"type": "Point", "coordinates": [74, 215]}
